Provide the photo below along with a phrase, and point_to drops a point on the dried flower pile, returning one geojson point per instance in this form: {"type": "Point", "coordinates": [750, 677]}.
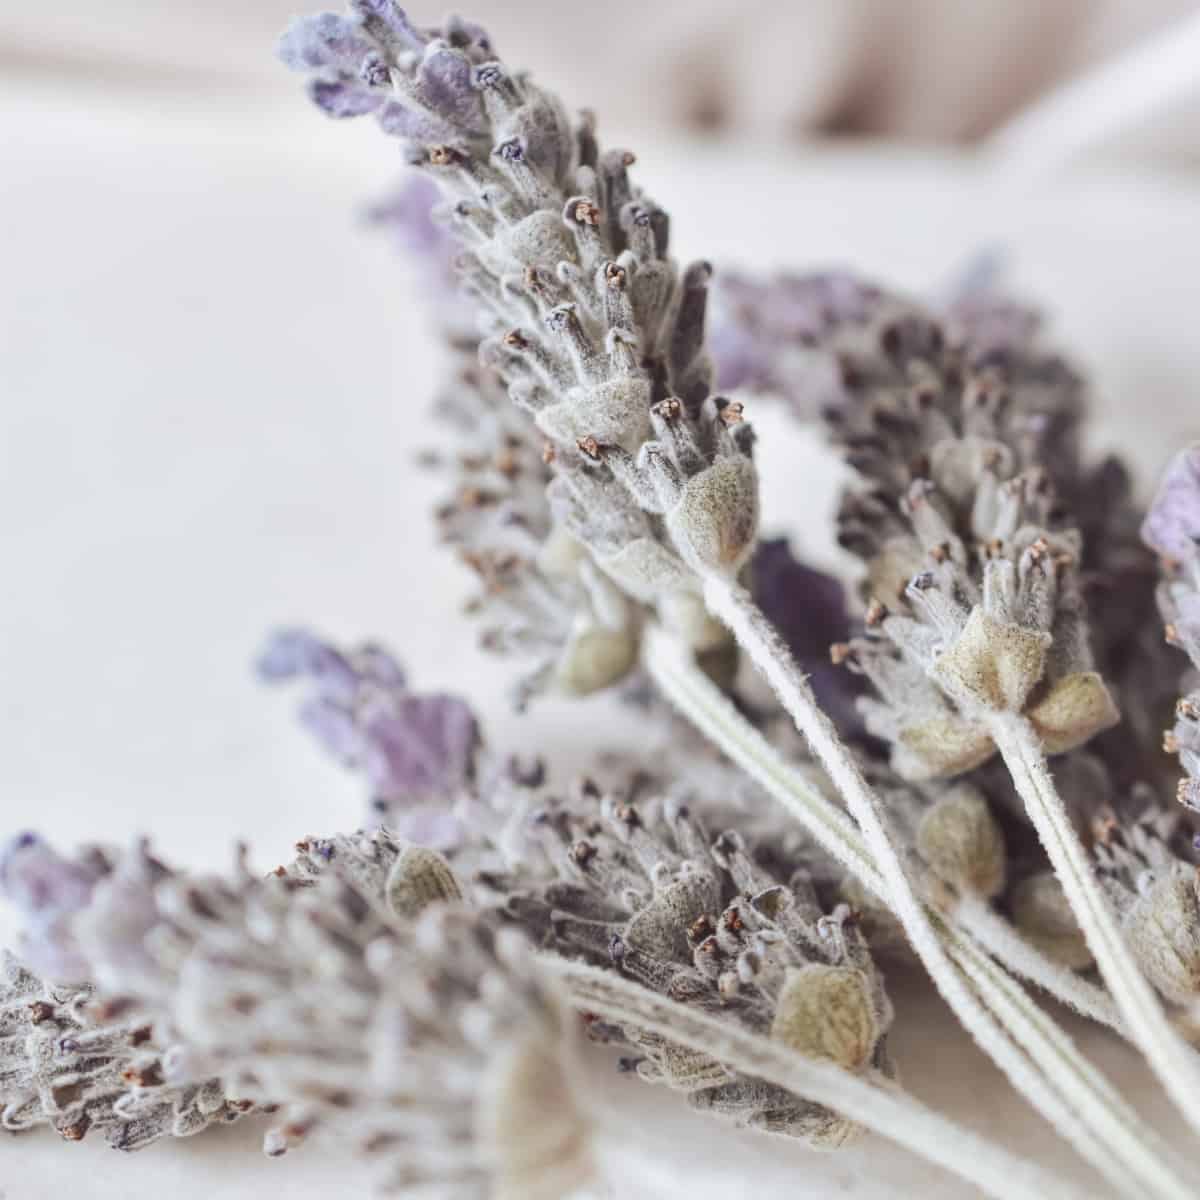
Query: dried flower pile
{"type": "Point", "coordinates": [826, 792]}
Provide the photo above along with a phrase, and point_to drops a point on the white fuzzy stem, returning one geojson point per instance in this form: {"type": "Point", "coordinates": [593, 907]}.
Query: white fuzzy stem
{"type": "Point", "coordinates": [997, 936]}
{"type": "Point", "coordinates": [727, 600]}
{"type": "Point", "coordinates": [1171, 1058]}
{"type": "Point", "coordinates": [888, 1112]}
{"type": "Point", "coordinates": [1091, 1114]}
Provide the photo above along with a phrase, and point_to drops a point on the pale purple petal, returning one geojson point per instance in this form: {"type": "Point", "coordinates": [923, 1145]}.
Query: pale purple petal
{"type": "Point", "coordinates": [334, 726]}
{"type": "Point", "coordinates": [344, 97]}
{"type": "Point", "coordinates": [387, 21]}
{"type": "Point", "coordinates": [380, 666]}
{"type": "Point", "coordinates": [425, 746]}
{"type": "Point", "coordinates": [325, 40]}
{"type": "Point", "coordinates": [40, 883]}
{"type": "Point", "coordinates": [397, 121]}
{"type": "Point", "coordinates": [290, 653]}
{"type": "Point", "coordinates": [1172, 526]}
{"type": "Point", "coordinates": [445, 83]}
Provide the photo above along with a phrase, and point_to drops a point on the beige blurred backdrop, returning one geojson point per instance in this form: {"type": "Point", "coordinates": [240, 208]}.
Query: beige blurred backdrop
{"type": "Point", "coordinates": [911, 69]}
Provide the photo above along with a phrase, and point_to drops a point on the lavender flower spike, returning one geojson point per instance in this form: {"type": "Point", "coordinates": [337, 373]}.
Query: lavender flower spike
{"type": "Point", "coordinates": [416, 751]}
{"type": "Point", "coordinates": [1172, 527]}
{"type": "Point", "coordinates": [593, 328]}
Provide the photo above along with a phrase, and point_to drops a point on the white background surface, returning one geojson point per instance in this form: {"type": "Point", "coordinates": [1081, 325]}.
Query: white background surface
{"type": "Point", "coordinates": [211, 384]}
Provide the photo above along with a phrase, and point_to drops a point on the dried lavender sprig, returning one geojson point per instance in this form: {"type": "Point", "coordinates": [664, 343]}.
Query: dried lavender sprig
{"type": "Point", "coordinates": [1172, 530]}
{"type": "Point", "coordinates": [65, 1064]}
{"type": "Point", "coordinates": [1112, 1136]}
{"type": "Point", "coordinates": [352, 989]}
{"type": "Point", "coordinates": [640, 889]}
{"type": "Point", "coordinates": [596, 332]}
{"type": "Point", "coordinates": [882, 1109]}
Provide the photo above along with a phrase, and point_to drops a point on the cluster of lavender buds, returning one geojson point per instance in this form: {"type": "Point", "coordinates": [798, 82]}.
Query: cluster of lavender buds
{"type": "Point", "coordinates": [349, 991]}
{"type": "Point", "coordinates": [68, 1058]}
{"type": "Point", "coordinates": [642, 890]}
{"type": "Point", "coordinates": [1148, 866]}
{"type": "Point", "coordinates": [1172, 528]}
{"type": "Point", "coordinates": [962, 403]}
{"type": "Point", "coordinates": [591, 326]}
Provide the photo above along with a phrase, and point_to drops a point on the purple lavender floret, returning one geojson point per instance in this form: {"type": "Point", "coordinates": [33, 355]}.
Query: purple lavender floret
{"type": "Point", "coordinates": [808, 608]}
{"type": "Point", "coordinates": [419, 83]}
{"type": "Point", "coordinates": [765, 330]}
{"type": "Point", "coordinates": [417, 752]}
{"type": "Point", "coordinates": [1172, 526]}
{"type": "Point", "coordinates": [47, 890]}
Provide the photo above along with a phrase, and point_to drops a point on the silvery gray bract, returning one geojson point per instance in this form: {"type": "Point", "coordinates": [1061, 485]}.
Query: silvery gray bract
{"type": "Point", "coordinates": [1148, 867]}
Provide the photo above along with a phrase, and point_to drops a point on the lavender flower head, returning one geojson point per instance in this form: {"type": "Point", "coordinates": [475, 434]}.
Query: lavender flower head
{"type": "Point", "coordinates": [1172, 528]}
{"type": "Point", "coordinates": [417, 752]}
{"type": "Point", "coordinates": [592, 327]}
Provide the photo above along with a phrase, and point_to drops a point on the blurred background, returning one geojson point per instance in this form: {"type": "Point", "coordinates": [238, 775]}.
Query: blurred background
{"type": "Point", "coordinates": [917, 70]}
{"type": "Point", "coordinates": [214, 378]}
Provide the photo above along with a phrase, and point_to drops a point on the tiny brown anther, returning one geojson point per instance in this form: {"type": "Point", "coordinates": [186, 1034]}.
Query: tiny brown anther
{"type": "Point", "coordinates": [139, 1037]}
{"type": "Point", "coordinates": [586, 213]}
{"type": "Point", "coordinates": [516, 340]}
{"type": "Point", "coordinates": [669, 409]}
{"type": "Point", "coordinates": [589, 447]}
{"type": "Point", "coordinates": [940, 553]}
{"type": "Point", "coordinates": [733, 920]}
{"type": "Point", "coordinates": [40, 1011]}
{"type": "Point", "coordinates": [506, 463]}
{"type": "Point", "coordinates": [1106, 828]}
{"type": "Point", "coordinates": [731, 414]}
{"type": "Point", "coordinates": [876, 614]}
{"type": "Point", "coordinates": [991, 458]}
{"type": "Point", "coordinates": [279, 872]}
{"type": "Point", "coordinates": [549, 452]}
{"type": "Point", "coordinates": [628, 158]}
{"type": "Point", "coordinates": [702, 927]}
{"type": "Point", "coordinates": [1170, 742]}
{"type": "Point", "coordinates": [149, 1076]}
{"type": "Point", "coordinates": [443, 156]}
{"type": "Point", "coordinates": [614, 275]}
{"type": "Point", "coordinates": [839, 652]}
{"type": "Point", "coordinates": [582, 853]}
{"type": "Point", "coordinates": [1038, 549]}
{"type": "Point", "coordinates": [1187, 709]}
{"type": "Point", "coordinates": [1172, 634]}
{"type": "Point", "coordinates": [75, 1132]}
{"type": "Point", "coordinates": [709, 947]}
{"type": "Point", "coordinates": [627, 815]}
{"type": "Point", "coordinates": [994, 548]}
